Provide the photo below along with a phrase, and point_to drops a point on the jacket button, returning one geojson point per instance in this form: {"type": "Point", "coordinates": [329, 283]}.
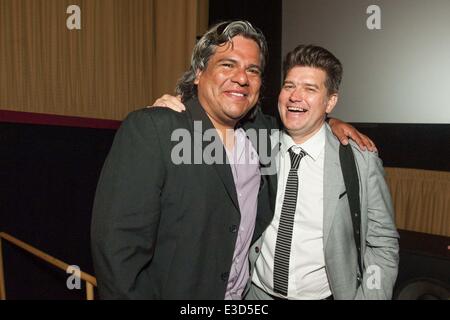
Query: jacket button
{"type": "Point", "coordinates": [224, 276]}
{"type": "Point", "coordinates": [257, 249]}
{"type": "Point", "coordinates": [233, 228]}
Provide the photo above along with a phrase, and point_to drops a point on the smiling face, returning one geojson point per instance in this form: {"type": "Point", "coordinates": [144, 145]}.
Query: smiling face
{"type": "Point", "coordinates": [304, 101]}
{"type": "Point", "coordinates": [229, 86]}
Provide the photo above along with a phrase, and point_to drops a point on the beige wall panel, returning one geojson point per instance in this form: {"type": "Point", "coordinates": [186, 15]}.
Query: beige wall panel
{"type": "Point", "coordinates": [104, 70]}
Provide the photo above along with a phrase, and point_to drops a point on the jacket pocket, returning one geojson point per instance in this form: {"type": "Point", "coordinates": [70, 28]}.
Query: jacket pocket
{"type": "Point", "coordinates": [342, 194]}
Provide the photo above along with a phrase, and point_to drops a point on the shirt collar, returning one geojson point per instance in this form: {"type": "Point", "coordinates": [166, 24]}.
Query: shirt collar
{"type": "Point", "coordinates": [313, 146]}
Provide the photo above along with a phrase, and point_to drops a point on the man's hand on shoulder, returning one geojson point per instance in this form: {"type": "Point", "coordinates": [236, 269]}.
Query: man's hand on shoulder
{"type": "Point", "coordinates": [343, 131]}
{"type": "Point", "coordinates": [169, 101]}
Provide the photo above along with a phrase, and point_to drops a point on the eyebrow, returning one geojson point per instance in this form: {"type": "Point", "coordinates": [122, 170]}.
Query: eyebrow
{"type": "Point", "coordinates": [307, 84]}
{"type": "Point", "coordinates": [235, 61]}
{"type": "Point", "coordinates": [227, 60]}
{"type": "Point", "coordinates": [288, 82]}
{"type": "Point", "coordinates": [311, 85]}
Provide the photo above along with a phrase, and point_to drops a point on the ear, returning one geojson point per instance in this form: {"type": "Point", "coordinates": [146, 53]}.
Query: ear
{"type": "Point", "coordinates": [332, 101]}
{"type": "Point", "coordinates": [197, 76]}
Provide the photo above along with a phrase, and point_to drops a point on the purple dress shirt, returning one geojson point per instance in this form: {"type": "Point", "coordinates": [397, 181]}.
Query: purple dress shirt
{"type": "Point", "coordinates": [244, 162]}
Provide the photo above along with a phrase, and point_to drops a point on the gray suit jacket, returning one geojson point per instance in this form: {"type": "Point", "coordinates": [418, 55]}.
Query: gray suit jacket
{"type": "Point", "coordinates": [379, 237]}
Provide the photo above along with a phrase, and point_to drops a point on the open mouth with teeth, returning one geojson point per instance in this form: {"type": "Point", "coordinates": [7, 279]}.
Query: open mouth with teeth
{"type": "Point", "coordinates": [296, 109]}
{"type": "Point", "coordinates": [237, 94]}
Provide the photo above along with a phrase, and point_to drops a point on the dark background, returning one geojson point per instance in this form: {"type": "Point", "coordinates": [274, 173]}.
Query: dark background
{"type": "Point", "coordinates": [49, 173]}
{"type": "Point", "coordinates": [266, 16]}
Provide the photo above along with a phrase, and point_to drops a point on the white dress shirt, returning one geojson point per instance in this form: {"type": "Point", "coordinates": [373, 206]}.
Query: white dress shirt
{"type": "Point", "coordinates": [307, 274]}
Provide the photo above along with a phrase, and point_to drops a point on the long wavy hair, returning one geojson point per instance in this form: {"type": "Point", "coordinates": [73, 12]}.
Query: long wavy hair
{"type": "Point", "coordinates": [218, 35]}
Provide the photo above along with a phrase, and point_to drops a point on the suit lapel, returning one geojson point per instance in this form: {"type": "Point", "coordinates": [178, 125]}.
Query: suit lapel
{"type": "Point", "coordinates": [223, 170]}
{"type": "Point", "coordinates": [273, 178]}
{"type": "Point", "coordinates": [264, 149]}
{"type": "Point", "coordinates": [333, 183]}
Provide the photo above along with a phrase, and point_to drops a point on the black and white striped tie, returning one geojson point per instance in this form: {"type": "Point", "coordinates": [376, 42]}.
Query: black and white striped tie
{"type": "Point", "coordinates": [284, 235]}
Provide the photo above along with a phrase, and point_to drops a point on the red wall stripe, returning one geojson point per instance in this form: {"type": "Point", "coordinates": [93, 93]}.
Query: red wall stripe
{"type": "Point", "coordinates": [57, 120]}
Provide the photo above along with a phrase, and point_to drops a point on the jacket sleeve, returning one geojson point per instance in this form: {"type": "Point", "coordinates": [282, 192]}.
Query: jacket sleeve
{"type": "Point", "coordinates": [127, 209]}
{"type": "Point", "coordinates": [381, 256]}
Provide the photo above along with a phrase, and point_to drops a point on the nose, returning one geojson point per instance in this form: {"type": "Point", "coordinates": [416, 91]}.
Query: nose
{"type": "Point", "coordinates": [296, 95]}
{"type": "Point", "coordinates": [240, 77]}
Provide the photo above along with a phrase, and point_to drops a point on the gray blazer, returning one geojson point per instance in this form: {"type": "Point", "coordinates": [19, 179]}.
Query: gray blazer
{"type": "Point", "coordinates": [379, 244]}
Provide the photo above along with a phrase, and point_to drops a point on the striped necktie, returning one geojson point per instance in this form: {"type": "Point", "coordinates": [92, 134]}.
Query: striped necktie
{"type": "Point", "coordinates": [285, 228]}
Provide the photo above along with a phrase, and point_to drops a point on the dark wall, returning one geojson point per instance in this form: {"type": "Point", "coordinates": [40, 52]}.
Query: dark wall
{"type": "Point", "coordinates": [265, 15]}
{"type": "Point", "coordinates": [48, 178]}
{"type": "Point", "coordinates": [424, 270]}
{"type": "Point", "coordinates": [420, 146]}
